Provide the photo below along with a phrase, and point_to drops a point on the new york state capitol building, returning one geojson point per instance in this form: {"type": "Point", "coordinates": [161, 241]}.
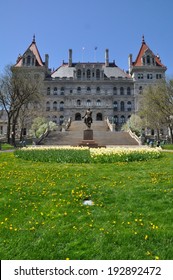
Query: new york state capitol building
{"type": "Point", "coordinates": [102, 86]}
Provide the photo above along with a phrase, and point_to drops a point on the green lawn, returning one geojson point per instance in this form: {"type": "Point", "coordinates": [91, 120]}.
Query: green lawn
{"type": "Point", "coordinates": [43, 217]}
{"type": "Point", "coordinates": [167, 147]}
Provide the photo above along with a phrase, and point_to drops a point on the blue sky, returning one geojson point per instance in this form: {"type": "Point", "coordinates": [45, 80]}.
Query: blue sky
{"type": "Point", "coordinates": [63, 24]}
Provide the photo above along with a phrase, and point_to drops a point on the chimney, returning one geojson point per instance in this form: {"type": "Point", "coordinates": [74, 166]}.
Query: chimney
{"type": "Point", "coordinates": [70, 58]}
{"type": "Point", "coordinates": [107, 58]}
{"type": "Point", "coordinates": [130, 62]}
{"type": "Point", "coordinates": [47, 60]}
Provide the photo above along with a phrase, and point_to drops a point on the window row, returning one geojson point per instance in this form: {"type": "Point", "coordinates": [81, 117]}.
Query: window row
{"type": "Point", "coordinates": [88, 74]}
{"type": "Point", "coordinates": [117, 106]}
{"type": "Point", "coordinates": [115, 90]}
{"type": "Point", "coordinates": [122, 106]}
{"type": "Point", "coordinates": [120, 119]}
{"type": "Point", "coordinates": [148, 60]}
{"type": "Point", "coordinates": [116, 119]}
{"type": "Point", "coordinates": [56, 106]}
{"type": "Point", "coordinates": [149, 76]}
{"type": "Point", "coordinates": [29, 60]}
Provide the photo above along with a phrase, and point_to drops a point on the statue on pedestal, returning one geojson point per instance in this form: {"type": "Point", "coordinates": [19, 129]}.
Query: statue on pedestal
{"type": "Point", "coordinates": [88, 118]}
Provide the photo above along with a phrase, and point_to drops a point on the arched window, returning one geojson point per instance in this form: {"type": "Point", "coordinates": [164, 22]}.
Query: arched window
{"type": "Point", "coordinates": [79, 90]}
{"type": "Point", "coordinates": [98, 102]}
{"type": "Point", "coordinates": [121, 90]}
{"type": "Point", "coordinates": [48, 91]}
{"type": "Point", "coordinates": [47, 106]}
{"type": "Point", "coordinates": [61, 120]}
{"type": "Point", "coordinates": [129, 106]}
{"type": "Point", "coordinates": [115, 91]}
{"type": "Point", "coordinates": [62, 90]}
{"type": "Point", "coordinates": [55, 106]}
{"type": "Point", "coordinates": [78, 102]}
{"type": "Point", "coordinates": [88, 74]}
{"type": "Point", "coordinates": [55, 91]}
{"type": "Point", "coordinates": [98, 89]}
{"type": "Point", "coordinates": [88, 89]}
{"type": "Point", "coordinates": [128, 91]}
{"type": "Point", "coordinates": [61, 106]}
{"type": "Point", "coordinates": [122, 106]}
{"type": "Point", "coordinates": [122, 119]}
{"type": "Point", "coordinates": [88, 103]}
{"type": "Point", "coordinates": [54, 119]}
{"type": "Point", "coordinates": [116, 119]}
{"type": "Point", "coordinates": [79, 74]}
{"type": "Point", "coordinates": [115, 106]}
{"type": "Point", "coordinates": [97, 74]}
{"type": "Point", "coordinates": [140, 89]}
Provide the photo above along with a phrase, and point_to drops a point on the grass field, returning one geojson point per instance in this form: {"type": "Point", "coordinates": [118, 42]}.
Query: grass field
{"type": "Point", "coordinates": [43, 216]}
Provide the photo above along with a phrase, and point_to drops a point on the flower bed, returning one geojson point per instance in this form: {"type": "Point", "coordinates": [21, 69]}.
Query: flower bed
{"type": "Point", "coordinates": [121, 154]}
{"type": "Point", "coordinates": [68, 154]}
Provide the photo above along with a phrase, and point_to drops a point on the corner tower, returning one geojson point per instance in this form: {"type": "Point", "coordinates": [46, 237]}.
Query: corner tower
{"type": "Point", "coordinates": [147, 68]}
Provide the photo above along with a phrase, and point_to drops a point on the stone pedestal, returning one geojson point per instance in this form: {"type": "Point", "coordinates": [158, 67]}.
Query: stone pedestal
{"type": "Point", "coordinates": [88, 134]}
{"type": "Point", "coordinates": [88, 139]}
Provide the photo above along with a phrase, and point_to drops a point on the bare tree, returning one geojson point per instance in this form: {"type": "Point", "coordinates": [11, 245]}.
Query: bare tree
{"type": "Point", "coordinates": [17, 90]}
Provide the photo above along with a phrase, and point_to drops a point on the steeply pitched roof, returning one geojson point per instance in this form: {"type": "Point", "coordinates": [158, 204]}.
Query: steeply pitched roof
{"type": "Point", "coordinates": [33, 48]}
{"type": "Point", "coordinates": [111, 71]}
{"type": "Point", "coordinates": [143, 49]}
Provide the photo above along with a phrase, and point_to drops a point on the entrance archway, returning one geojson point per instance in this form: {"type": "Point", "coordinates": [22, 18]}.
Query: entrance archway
{"type": "Point", "coordinates": [99, 117]}
{"type": "Point", "coordinates": [77, 117]}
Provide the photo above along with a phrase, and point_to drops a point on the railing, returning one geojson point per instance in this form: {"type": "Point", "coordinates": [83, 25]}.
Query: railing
{"type": "Point", "coordinates": [133, 135]}
{"type": "Point", "coordinates": [110, 125]}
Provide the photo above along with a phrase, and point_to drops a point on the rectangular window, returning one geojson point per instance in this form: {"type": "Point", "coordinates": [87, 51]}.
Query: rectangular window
{"type": "Point", "coordinates": [1, 130]}
{"type": "Point", "coordinates": [149, 76]}
{"type": "Point", "coordinates": [158, 76]}
{"type": "Point", "coordinates": [140, 76]}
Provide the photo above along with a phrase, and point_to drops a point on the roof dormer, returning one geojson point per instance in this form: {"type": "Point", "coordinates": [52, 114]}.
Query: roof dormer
{"type": "Point", "coordinates": [31, 57]}
{"type": "Point", "coordinates": [148, 58]}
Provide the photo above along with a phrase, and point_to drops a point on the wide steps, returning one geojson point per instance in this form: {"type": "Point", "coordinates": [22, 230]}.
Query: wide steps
{"type": "Point", "coordinates": [101, 135]}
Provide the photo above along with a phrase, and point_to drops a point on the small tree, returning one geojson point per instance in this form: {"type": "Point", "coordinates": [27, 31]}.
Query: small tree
{"type": "Point", "coordinates": [41, 128]}
{"type": "Point", "coordinates": [134, 123]}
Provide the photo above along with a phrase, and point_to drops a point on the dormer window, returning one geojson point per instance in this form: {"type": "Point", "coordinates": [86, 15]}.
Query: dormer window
{"type": "Point", "coordinates": [97, 74]}
{"type": "Point", "coordinates": [79, 74]}
{"type": "Point", "coordinates": [28, 60]}
{"type": "Point", "coordinates": [148, 59]}
{"type": "Point", "coordinates": [88, 74]}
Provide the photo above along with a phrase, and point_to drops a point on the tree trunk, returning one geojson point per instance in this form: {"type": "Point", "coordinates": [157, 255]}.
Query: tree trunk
{"type": "Point", "coordinates": [13, 134]}
{"type": "Point", "coordinates": [171, 134]}
{"type": "Point", "coordinates": [8, 130]}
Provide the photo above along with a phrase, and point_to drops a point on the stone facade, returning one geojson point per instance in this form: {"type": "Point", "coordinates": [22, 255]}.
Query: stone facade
{"type": "Point", "coordinates": [104, 87]}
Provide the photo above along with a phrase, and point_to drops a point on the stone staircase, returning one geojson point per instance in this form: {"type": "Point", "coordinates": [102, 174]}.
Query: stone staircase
{"type": "Point", "coordinates": [102, 135]}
